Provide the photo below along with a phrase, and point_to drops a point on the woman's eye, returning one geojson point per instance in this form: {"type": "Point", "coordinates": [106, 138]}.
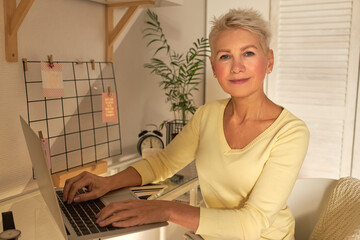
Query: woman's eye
{"type": "Point", "coordinates": [224, 57]}
{"type": "Point", "coordinates": [249, 54]}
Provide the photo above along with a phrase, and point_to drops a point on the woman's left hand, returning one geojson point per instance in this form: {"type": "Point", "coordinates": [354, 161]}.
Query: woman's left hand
{"type": "Point", "coordinates": [134, 212]}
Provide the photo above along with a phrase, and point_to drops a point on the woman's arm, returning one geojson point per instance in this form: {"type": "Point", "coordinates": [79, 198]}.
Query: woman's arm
{"type": "Point", "coordinates": [98, 186]}
{"type": "Point", "coordinates": [185, 215]}
{"type": "Point", "coordinates": [126, 178]}
{"type": "Point", "coordinates": [138, 212]}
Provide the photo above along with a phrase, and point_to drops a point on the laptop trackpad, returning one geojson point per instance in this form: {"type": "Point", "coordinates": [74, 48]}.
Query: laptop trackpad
{"type": "Point", "coordinates": [118, 195]}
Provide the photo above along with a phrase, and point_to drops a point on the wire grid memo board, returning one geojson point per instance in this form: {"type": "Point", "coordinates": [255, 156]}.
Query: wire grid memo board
{"type": "Point", "coordinates": [73, 123]}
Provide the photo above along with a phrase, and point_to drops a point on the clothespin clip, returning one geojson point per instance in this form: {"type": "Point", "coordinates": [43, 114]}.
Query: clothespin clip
{"type": "Point", "coordinates": [51, 63]}
{"type": "Point", "coordinates": [109, 91]}
{"type": "Point", "coordinates": [92, 64]}
{"type": "Point", "coordinates": [41, 136]}
{"type": "Point", "coordinates": [46, 149]}
{"type": "Point", "coordinates": [78, 61]}
{"type": "Point", "coordinates": [25, 64]}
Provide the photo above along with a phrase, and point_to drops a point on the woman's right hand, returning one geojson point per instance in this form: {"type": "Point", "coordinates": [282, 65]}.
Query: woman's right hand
{"type": "Point", "coordinates": [97, 186]}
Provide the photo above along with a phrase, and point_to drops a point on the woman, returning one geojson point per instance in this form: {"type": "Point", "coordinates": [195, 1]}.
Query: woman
{"type": "Point", "coordinates": [248, 150]}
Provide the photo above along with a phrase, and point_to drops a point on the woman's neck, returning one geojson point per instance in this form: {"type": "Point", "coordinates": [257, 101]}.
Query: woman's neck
{"type": "Point", "coordinates": [242, 110]}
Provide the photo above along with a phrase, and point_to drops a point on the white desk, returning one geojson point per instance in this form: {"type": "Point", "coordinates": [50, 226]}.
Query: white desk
{"type": "Point", "coordinates": [31, 217]}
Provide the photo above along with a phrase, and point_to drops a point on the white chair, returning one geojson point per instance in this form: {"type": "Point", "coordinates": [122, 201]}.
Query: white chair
{"type": "Point", "coordinates": [306, 202]}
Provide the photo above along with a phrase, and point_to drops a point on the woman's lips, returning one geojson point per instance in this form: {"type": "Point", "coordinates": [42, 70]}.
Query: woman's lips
{"type": "Point", "coordinates": [239, 81]}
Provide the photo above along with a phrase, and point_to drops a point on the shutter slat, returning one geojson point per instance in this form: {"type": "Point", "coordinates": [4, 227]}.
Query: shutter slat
{"type": "Point", "coordinates": [313, 83]}
{"type": "Point", "coordinates": [285, 3]}
{"type": "Point", "coordinates": [325, 13]}
{"type": "Point", "coordinates": [313, 58]}
{"type": "Point", "coordinates": [313, 77]}
{"type": "Point", "coordinates": [309, 101]}
{"type": "Point", "coordinates": [320, 32]}
{"type": "Point", "coordinates": [317, 19]}
{"type": "Point", "coordinates": [311, 95]}
{"type": "Point", "coordinates": [311, 89]}
{"type": "Point", "coordinates": [308, 52]}
{"type": "Point", "coordinates": [323, 65]}
{"type": "Point", "coordinates": [322, 45]}
{"type": "Point", "coordinates": [313, 39]}
{"type": "Point", "coordinates": [316, 7]}
{"type": "Point", "coordinates": [316, 26]}
{"type": "Point", "coordinates": [310, 71]}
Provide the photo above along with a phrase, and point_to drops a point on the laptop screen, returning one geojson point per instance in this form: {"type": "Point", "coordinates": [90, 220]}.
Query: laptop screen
{"type": "Point", "coordinates": [42, 174]}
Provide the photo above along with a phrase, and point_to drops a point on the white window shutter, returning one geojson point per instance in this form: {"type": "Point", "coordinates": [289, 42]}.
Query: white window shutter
{"type": "Point", "coordinates": [315, 77]}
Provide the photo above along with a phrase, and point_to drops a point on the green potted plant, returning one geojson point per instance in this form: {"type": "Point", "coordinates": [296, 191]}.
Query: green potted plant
{"type": "Point", "coordinates": [180, 73]}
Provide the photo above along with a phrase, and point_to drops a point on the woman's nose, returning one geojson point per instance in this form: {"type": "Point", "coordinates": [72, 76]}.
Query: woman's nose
{"type": "Point", "coordinates": [237, 66]}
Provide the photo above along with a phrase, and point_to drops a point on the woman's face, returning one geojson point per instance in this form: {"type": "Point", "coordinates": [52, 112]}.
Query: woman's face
{"type": "Point", "coordinates": [239, 63]}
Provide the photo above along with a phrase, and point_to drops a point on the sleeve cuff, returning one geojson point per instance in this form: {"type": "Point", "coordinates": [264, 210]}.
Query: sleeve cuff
{"type": "Point", "coordinates": [208, 221]}
{"type": "Point", "coordinates": [144, 169]}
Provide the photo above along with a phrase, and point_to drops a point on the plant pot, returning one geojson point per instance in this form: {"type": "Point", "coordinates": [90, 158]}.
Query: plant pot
{"type": "Point", "coordinates": [172, 129]}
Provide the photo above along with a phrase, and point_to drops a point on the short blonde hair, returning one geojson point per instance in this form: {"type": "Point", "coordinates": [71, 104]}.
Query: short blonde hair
{"type": "Point", "coordinates": [247, 19]}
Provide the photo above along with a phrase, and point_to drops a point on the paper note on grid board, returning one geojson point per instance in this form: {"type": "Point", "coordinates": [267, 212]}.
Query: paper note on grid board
{"type": "Point", "coordinates": [109, 107]}
{"type": "Point", "coordinates": [51, 74]}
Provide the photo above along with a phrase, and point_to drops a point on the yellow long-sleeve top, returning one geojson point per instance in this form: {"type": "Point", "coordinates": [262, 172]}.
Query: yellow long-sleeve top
{"type": "Point", "coordinates": [245, 190]}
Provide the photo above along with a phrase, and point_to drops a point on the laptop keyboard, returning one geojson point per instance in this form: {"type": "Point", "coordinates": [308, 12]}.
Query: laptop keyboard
{"type": "Point", "coordinates": [82, 215]}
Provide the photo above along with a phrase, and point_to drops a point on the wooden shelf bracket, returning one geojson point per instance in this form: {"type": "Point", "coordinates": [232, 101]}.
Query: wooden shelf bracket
{"type": "Point", "coordinates": [112, 33]}
{"type": "Point", "coordinates": [13, 17]}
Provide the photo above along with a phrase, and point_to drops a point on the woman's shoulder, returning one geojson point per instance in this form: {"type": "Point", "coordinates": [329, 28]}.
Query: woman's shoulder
{"type": "Point", "coordinates": [210, 110]}
{"type": "Point", "coordinates": [289, 120]}
{"type": "Point", "coordinates": [290, 116]}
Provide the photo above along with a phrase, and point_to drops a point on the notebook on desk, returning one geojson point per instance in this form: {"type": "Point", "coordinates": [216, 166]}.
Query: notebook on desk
{"type": "Point", "coordinates": [81, 226]}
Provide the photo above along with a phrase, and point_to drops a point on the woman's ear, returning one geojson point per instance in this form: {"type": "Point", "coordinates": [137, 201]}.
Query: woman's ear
{"type": "Point", "coordinates": [212, 66]}
{"type": "Point", "coordinates": [270, 64]}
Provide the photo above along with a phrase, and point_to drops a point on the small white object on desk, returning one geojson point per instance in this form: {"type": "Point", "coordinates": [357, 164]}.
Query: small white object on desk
{"type": "Point", "coordinates": [10, 234]}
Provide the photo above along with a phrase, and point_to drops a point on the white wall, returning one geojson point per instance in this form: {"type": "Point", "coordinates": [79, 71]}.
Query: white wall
{"type": "Point", "coordinates": [140, 89]}
{"type": "Point", "coordinates": [74, 29]}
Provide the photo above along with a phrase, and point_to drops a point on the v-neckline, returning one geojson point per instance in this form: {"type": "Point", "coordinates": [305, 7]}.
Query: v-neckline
{"type": "Point", "coordinates": [224, 143]}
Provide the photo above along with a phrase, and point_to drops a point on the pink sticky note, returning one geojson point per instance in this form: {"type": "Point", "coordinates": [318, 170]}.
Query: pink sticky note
{"type": "Point", "coordinates": [109, 108]}
{"type": "Point", "coordinates": [45, 143]}
{"type": "Point", "coordinates": [52, 80]}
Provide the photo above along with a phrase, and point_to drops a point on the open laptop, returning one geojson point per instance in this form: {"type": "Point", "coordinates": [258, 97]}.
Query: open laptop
{"type": "Point", "coordinates": [61, 211]}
